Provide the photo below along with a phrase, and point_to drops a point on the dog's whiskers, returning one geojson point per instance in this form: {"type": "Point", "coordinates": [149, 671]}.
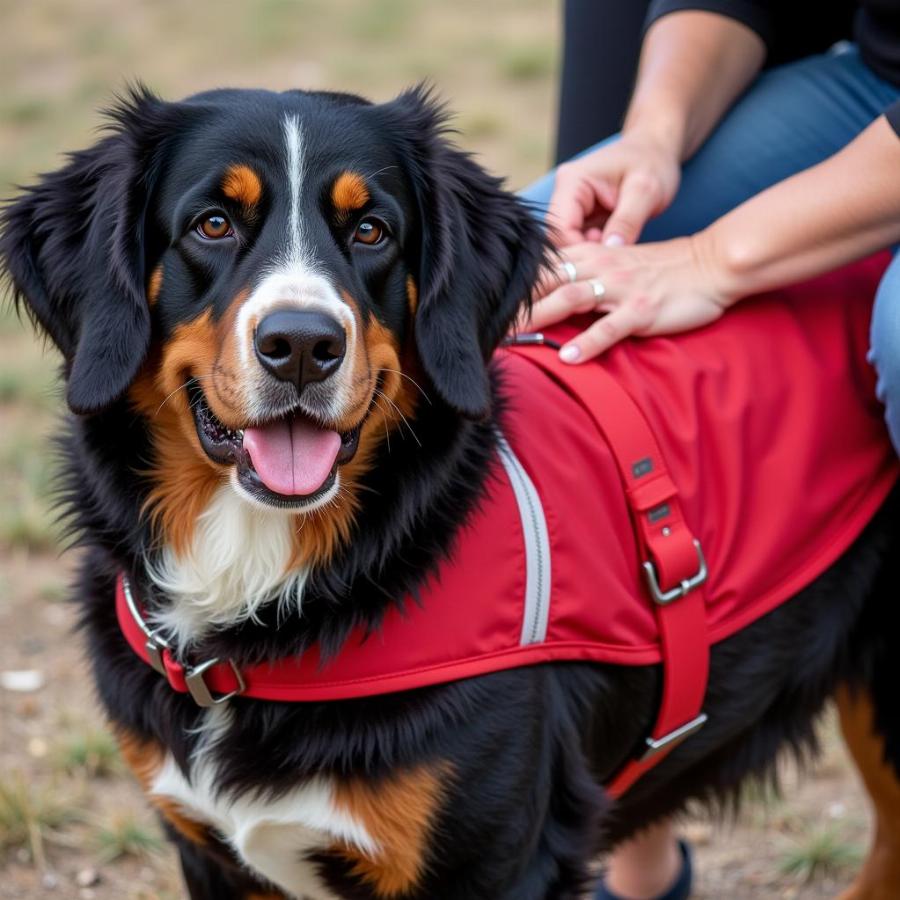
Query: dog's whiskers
{"type": "Point", "coordinates": [181, 387]}
{"type": "Point", "coordinates": [384, 169]}
{"type": "Point", "coordinates": [387, 431]}
{"type": "Point", "coordinates": [400, 413]}
{"type": "Point", "coordinates": [411, 380]}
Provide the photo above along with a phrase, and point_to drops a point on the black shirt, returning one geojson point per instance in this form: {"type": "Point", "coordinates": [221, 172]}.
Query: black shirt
{"type": "Point", "coordinates": [794, 29]}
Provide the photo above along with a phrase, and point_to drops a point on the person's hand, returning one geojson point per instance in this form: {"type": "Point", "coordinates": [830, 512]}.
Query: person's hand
{"type": "Point", "coordinates": [648, 289]}
{"type": "Point", "coordinates": [610, 194]}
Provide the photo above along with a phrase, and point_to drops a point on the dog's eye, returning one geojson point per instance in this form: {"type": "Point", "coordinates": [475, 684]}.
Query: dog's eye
{"type": "Point", "coordinates": [215, 227]}
{"type": "Point", "coordinates": [370, 232]}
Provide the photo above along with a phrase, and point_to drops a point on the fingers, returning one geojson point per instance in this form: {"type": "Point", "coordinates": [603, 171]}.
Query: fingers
{"type": "Point", "coordinates": [548, 281]}
{"type": "Point", "coordinates": [577, 198]}
{"type": "Point", "coordinates": [639, 198]}
{"type": "Point", "coordinates": [587, 258]}
{"type": "Point", "coordinates": [566, 300]}
{"type": "Point", "coordinates": [603, 334]}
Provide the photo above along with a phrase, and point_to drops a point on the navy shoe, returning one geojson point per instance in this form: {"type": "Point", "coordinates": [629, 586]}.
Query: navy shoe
{"type": "Point", "coordinates": [680, 890]}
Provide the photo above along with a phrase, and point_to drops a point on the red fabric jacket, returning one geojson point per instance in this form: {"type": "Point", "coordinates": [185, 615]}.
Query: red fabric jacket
{"type": "Point", "coordinates": [771, 431]}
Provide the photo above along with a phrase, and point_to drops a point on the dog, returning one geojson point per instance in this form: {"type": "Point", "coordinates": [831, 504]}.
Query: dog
{"type": "Point", "coordinates": [243, 273]}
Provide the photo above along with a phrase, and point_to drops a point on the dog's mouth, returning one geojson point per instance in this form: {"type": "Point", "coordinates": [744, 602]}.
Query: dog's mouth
{"type": "Point", "coordinates": [289, 461]}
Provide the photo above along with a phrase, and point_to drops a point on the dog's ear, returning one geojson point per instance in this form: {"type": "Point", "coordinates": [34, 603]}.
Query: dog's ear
{"type": "Point", "coordinates": [74, 248]}
{"type": "Point", "coordinates": [477, 254]}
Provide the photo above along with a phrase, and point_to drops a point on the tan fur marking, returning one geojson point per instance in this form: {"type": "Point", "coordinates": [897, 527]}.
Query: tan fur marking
{"type": "Point", "coordinates": [154, 285]}
{"type": "Point", "coordinates": [399, 813]}
{"type": "Point", "coordinates": [412, 294]}
{"type": "Point", "coordinates": [349, 193]}
{"type": "Point", "coordinates": [145, 758]}
{"type": "Point", "coordinates": [879, 878]}
{"type": "Point", "coordinates": [184, 479]}
{"type": "Point", "coordinates": [242, 184]}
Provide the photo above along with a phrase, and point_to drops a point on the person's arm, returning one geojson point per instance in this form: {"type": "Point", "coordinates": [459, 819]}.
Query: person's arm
{"type": "Point", "coordinates": [693, 65]}
{"type": "Point", "coordinates": [840, 210]}
{"type": "Point", "coordinates": [835, 212]}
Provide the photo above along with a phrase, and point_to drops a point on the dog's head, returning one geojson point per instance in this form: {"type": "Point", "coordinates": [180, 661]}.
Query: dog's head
{"type": "Point", "coordinates": [273, 281]}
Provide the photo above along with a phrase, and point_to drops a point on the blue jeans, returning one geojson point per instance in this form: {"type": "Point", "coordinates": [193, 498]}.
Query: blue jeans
{"type": "Point", "coordinates": [791, 118]}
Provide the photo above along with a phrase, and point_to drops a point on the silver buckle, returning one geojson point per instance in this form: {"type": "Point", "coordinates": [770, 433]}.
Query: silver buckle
{"type": "Point", "coordinates": [199, 689]}
{"type": "Point", "coordinates": [664, 597]}
{"type": "Point", "coordinates": [154, 647]}
{"type": "Point", "coordinates": [155, 644]}
{"type": "Point", "coordinates": [530, 339]}
{"type": "Point", "coordinates": [673, 737]}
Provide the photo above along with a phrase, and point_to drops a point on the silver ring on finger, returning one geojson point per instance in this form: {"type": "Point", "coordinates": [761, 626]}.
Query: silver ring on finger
{"type": "Point", "coordinates": [571, 272]}
{"type": "Point", "coordinates": [598, 287]}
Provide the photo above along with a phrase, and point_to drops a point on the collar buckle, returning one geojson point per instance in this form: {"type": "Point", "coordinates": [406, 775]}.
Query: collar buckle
{"type": "Point", "coordinates": [199, 689]}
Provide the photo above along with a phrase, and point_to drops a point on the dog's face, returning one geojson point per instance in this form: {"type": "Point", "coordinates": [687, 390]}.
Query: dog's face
{"type": "Point", "coordinates": [273, 281]}
{"type": "Point", "coordinates": [283, 296]}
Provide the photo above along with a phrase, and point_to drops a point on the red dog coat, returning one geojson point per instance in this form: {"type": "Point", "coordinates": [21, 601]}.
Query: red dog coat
{"type": "Point", "coordinates": [772, 454]}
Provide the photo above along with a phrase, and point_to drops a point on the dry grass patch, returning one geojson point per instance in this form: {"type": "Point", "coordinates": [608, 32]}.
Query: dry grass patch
{"type": "Point", "coordinates": [32, 815]}
{"type": "Point", "coordinates": [124, 835]}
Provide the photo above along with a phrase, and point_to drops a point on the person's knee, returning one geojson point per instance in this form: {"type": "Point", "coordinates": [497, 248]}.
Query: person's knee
{"type": "Point", "coordinates": [885, 346]}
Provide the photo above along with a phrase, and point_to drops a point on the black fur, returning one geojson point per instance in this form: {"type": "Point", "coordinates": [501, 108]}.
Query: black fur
{"type": "Point", "coordinates": [529, 748]}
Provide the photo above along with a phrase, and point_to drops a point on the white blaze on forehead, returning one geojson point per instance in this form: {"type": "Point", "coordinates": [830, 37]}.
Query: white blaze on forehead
{"type": "Point", "coordinates": [293, 279]}
{"type": "Point", "coordinates": [298, 254]}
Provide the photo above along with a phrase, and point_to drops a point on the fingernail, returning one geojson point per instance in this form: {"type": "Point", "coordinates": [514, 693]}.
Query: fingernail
{"type": "Point", "coordinates": [570, 353]}
{"type": "Point", "coordinates": [614, 240]}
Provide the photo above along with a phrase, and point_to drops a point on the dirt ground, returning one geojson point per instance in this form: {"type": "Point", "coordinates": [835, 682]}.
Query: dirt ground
{"type": "Point", "coordinates": [72, 825]}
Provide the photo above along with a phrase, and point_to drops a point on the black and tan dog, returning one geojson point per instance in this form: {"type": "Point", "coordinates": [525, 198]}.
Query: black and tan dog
{"type": "Point", "coordinates": [244, 273]}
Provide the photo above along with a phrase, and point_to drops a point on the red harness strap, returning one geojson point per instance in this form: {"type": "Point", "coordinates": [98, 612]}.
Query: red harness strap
{"type": "Point", "coordinates": [674, 567]}
{"type": "Point", "coordinates": [674, 563]}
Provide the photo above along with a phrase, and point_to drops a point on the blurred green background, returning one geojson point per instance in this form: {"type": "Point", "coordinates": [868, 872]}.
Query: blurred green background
{"type": "Point", "coordinates": [60, 62]}
{"type": "Point", "coordinates": [72, 821]}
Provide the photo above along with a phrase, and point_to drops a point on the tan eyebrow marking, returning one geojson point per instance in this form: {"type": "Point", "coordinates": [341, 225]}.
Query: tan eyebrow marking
{"type": "Point", "coordinates": [349, 192]}
{"type": "Point", "coordinates": [154, 285]}
{"type": "Point", "coordinates": [241, 183]}
{"type": "Point", "coordinates": [412, 294]}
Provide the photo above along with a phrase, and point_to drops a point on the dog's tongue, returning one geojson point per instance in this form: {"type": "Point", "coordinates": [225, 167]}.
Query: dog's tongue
{"type": "Point", "coordinates": [292, 457]}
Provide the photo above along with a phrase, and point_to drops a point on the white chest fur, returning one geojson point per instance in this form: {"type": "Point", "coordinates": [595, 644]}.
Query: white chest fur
{"type": "Point", "coordinates": [273, 837]}
{"type": "Point", "coordinates": [238, 560]}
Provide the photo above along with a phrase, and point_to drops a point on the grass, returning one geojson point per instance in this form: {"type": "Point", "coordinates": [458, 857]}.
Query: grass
{"type": "Point", "coordinates": [26, 517]}
{"type": "Point", "coordinates": [35, 388]}
{"type": "Point", "coordinates": [29, 528]}
{"type": "Point", "coordinates": [92, 752]}
{"type": "Point", "coordinates": [483, 123]}
{"type": "Point", "coordinates": [10, 320]}
{"type": "Point", "coordinates": [528, 63]}
{"type": "Point", "coordinates": [126, 836]}
{"type": "Point", "coordinates": [762, 793]}
{"type": "Point", "coordinates": [381, 22]}
{"type": "Point", "coordinates": [30, 816]}
{"type": "Point", "coordinates": [24, 111]}
{"type": "Point", "coordinates": [820, 852]}
{"type": "Point", "coordinates": [53, 590]}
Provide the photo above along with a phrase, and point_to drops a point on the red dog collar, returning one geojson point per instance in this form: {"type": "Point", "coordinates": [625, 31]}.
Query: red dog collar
{"type": "Point", "coordinates": [209, 683]}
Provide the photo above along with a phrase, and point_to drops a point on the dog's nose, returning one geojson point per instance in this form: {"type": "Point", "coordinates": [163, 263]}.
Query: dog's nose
{"type": "Point", "coordinates": [300, 346]}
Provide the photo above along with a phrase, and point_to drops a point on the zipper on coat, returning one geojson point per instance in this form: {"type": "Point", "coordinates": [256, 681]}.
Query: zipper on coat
{"type": "Point", "coordinates": [536, 611]}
